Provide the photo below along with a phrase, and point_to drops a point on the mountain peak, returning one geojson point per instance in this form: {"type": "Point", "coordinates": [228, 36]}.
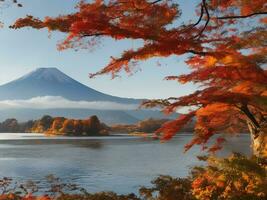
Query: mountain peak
{"type": "Point", "coordinates": [47, 74]}
{"type": "Point", "coordinates": [52, 82]}
{"type": "Point", "coordinates": [51, 69]}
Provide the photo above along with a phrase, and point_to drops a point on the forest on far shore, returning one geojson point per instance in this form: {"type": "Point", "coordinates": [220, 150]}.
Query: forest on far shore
{"type": "Point", "coordinates": [56, 126]}
{"type": "Point", "coordinates": [91, 126]}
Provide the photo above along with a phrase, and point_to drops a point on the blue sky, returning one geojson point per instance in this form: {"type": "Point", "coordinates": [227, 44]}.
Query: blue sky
{"type": "Point", "coordinates": [22, 51]}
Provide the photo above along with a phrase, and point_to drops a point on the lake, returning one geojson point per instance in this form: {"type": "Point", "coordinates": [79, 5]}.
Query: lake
{"type": "Point", "coordinates": [114, 163]}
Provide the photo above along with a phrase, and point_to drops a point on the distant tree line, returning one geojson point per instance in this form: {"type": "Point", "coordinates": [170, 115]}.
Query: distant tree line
{"type": "Point", "coordinates": [86, 127]}
{"type": "Point", "coordinates": [57, 126]}
{"type": "Point", "coordinates": [13, 126]}
{"type": "Point", "coordinates": [65, 126]}
{"type": "Point", "coordinates": [147, 126]}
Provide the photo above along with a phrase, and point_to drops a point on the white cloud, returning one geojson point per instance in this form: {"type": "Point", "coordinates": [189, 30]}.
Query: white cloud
{"type": "Point", "coordinates": [46, 102]}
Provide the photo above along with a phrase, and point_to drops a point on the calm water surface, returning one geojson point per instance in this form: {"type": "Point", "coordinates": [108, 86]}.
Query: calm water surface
{"type": "Point", "coordinates": [117, 163]}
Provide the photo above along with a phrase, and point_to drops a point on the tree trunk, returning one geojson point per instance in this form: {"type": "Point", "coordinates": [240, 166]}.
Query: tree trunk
{"type": "Point", "coordinates": [259, 140]}
{"type": "Point", "coordinates": [258, 133]}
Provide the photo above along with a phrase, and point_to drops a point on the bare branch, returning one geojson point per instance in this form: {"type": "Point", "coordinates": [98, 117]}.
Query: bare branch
{"type": "Point", "coordinates": [200, 17]}
{"type": "Point", "coordinates": [208, 18]}
{"type": "Point", "coordinates": [92, 35]}
{"type": "Point", "coordinates": [157, 1]}
{"type": "Point", "coordinates": [241, 16]}
{"type": "Point", "coordinates": [202, 53]}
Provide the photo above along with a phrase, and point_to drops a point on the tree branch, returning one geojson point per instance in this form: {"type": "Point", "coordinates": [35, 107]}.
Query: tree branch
{"type": "Point", "coordinates": [241, 16]}
{"type": "Point", "coordinates": [202, 53]}
{"type": "Point", "coordinates": [92, 35]}
{"type": "Point", "coordinates": [154, 2]}
{"type": "Point", "coordinates": [203, 5]}
{"type": "Point", "coordinates": [200, 17]}
{"type": "Point", "coordinates": [208, 17]}
{"type": "Point", "coordinates": [244, 108]}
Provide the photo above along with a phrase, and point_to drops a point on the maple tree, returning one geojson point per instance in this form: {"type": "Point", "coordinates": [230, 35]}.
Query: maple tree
{"type": "Point", "coordinates": [235, 177]}
{"type": "Point", "coordinates": [225, 48]}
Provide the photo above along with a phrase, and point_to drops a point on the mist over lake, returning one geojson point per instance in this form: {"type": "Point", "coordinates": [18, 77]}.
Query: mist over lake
{"type": "Point", "coordinates": [117, 163]}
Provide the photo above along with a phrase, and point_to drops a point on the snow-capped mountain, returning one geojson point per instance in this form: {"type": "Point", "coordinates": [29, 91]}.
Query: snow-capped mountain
{"type": "Point", "coordinates": [52, 82]}
{"type": "Point", "coordinates": [48, 91]}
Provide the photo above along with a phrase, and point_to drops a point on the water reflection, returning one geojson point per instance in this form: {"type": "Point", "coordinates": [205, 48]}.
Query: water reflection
{"type": "Point", "coordinates": [92, 144]}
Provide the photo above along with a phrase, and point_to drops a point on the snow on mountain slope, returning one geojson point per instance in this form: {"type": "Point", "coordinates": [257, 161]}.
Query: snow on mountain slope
{"type": "Point", "coordinates": [48, 91]}
{"type": "Point", "coordinates": [52, 82]}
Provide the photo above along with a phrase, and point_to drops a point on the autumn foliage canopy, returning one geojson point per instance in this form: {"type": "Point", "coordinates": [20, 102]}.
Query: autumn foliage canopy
{"type": "Point", "coordinates": [225, 49]}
